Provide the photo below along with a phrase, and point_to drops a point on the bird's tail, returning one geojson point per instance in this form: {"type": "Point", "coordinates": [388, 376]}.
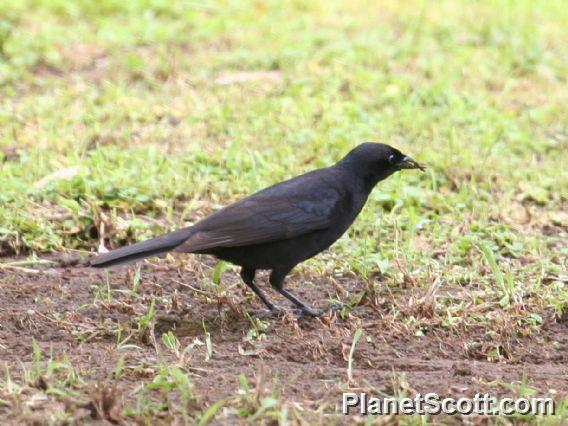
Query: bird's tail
{"type": "Point", "coordinates": [143, 249]}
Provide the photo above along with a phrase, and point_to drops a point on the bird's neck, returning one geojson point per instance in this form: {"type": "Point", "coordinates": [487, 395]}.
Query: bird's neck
{"type": "Point", "coordinates": [364, 179]}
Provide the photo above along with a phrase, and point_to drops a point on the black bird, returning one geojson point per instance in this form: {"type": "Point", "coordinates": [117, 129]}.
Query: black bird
{"type": "Point", "coordinates": [283, 225]}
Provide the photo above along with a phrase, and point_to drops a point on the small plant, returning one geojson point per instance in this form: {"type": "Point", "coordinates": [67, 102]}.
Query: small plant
{"type": "Point", "coordinates": [146, 324]}
{"type": "Point", "coordinates": [257, 404]}
{"type": "Point", "coordinates": [504, 281]}
{"type": "Point", "coordinates": [208, 344]}
{"type": "Point", "coordinates": [175, 379]}
{"type": "Point", "coordinates": [356, 336]}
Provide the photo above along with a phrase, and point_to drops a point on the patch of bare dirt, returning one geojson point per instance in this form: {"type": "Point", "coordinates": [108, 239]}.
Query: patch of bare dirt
{"type": "Point", "coordinates": [66, 310]}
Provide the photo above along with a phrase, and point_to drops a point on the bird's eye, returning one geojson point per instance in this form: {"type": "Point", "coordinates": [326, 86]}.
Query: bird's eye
{"type": "Point", "coordinates": [391, 158]}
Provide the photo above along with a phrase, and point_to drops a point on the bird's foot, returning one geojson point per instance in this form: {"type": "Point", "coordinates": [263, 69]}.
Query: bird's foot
{"type": "Point", "coordinates": [316, 312]}
{"type": "Point", "coordinates": [311, 312]}
{"type": "Point", "coordinates": [336, 306]}
{"type": "Point", "coordinates": [277, 312]}
{"type": "Point", "coordinates": [273, 313]}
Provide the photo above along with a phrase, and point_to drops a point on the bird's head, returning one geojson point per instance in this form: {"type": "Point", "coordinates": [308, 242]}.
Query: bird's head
{"type": "Point", "coordinates": [376, 161]}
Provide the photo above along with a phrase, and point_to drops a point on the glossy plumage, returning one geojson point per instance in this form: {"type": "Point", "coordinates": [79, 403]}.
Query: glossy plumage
{"type": "Point", "coordinates": [282, 225]}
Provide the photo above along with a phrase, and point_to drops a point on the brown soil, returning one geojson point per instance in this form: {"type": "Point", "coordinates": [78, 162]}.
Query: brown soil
{"type": "Point", "coordinates": [60, 307]}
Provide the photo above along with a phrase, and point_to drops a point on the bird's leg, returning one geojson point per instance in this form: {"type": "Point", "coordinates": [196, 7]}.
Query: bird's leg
{"type": "Point", "coordinates": [277, 281]}
{"type": "Point", "coordinates": [248, 277]}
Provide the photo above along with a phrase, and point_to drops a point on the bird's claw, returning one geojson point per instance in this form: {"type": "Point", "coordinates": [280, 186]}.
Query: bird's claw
{"type": "Point", "coordinates": [311, 312]}
{"type": "Point", "coordinates": [317, 312]}
{"type": "Point", "coordinates": [336, 306]}
{"type": "Point", "coordinates": [273, 312]}
{"type": "Point", "coordinates": [277, 312]}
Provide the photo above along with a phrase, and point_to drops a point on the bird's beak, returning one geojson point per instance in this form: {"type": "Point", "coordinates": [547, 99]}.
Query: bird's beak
{"type": "Point", "coordinates": [409, 163]}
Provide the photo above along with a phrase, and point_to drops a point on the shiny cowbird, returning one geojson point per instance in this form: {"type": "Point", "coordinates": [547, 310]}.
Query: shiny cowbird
{"type": "Point", "coordinates": [283, 225]}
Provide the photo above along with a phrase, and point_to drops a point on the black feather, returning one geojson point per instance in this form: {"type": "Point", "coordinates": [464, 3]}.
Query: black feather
{"type": "Point", "coordinates": [142, 249]}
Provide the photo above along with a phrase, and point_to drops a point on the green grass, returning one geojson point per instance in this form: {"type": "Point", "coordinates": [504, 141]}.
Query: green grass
{"type": "Point", "coordinates": [128, 94]}
{"type": "Point", "coordinates": [137, 96]}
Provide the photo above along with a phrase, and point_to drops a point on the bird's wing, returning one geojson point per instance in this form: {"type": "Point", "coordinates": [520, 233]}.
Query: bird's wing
{"type": "Point", "coordinates": [262, 219]}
